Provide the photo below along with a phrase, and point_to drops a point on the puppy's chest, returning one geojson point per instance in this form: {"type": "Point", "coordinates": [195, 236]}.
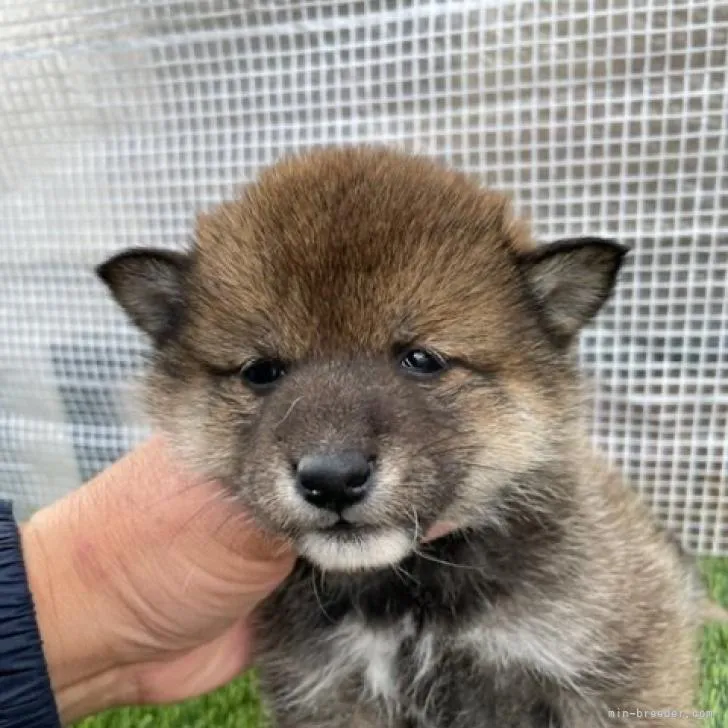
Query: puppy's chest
{"type": "Point", "coordinates": [392, 667]}
{"type": "Point", "coordinates": [404, 675]}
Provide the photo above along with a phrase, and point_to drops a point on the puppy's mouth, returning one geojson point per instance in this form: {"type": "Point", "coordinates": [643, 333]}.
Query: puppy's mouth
{"type": "Point", "coordinates": [346, 546]}
{"type": "Point", "coordinates": [343, 527]}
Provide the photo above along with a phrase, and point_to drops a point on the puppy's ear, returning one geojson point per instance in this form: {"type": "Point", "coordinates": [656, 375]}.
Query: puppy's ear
{"type": "Point", "coordinates": [149, 285]}
{"type": "Point", "coordinates": [572, 279]}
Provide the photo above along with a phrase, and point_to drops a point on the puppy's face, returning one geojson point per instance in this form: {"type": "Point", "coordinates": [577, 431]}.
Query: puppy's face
{"type": "Point", "coordinates": [362, 345]}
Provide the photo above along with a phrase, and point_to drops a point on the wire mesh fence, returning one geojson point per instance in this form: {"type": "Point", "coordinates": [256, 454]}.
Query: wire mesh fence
{"type": "Point", "coordinates": [119, 120]}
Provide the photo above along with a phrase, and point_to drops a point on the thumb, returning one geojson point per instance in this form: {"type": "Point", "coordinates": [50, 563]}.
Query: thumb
{"type": "Point", "coordinates": [196, 672]}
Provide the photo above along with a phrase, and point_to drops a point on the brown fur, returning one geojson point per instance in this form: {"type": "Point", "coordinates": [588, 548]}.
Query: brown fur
{"type": "Point", "coordinates": [556, 599]}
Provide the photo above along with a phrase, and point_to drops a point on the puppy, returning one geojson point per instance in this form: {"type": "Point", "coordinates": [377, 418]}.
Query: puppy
{"type": "Point", "coordinates": [365, 346]}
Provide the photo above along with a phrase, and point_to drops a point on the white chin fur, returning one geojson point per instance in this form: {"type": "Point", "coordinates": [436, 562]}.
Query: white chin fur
{"type": "Point", "coordinates": [372, 551]}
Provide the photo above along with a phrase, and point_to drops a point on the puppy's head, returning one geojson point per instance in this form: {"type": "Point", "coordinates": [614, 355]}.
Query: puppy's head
{"type": "Point", "coordinates": [362, 345]}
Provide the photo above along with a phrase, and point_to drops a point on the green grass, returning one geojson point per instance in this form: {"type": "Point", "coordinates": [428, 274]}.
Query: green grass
{"type": "Point", "coordinates": [234, 706]}
{"type": "Point", "coordinates": [714, 692]}
{"type": "Point", "coordinates": [237, 705]}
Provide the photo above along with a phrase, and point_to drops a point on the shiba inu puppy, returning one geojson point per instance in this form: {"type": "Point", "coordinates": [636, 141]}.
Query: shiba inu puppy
{"type": "Point", "coordinates": [366, 346]}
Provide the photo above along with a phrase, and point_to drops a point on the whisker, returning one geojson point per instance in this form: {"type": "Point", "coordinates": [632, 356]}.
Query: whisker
{"type": "Point", "coordinates": [318, 598]}
{"type": "Point", "coordinates": [416, 535]}
{"type": "Point", "coordinates": [490, 468]}
{"type": "Point", "coordinates": [433, 443]}
{"type": "Point", "coordinates": [403, 572]}
{"type": "Point", "coordinates": [449, 563]}
{"type": "Point", "coordinates": [288, 412]}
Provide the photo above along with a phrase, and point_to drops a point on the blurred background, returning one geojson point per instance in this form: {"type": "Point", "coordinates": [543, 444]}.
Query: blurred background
{"type": "Point", "coordinates": [121, 119]}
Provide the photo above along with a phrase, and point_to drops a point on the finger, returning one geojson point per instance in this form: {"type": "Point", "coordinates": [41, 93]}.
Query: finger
{"type": "Point", "coordinates": [197, 513]}
{"type": "Point", "coordinates": [196, 672]}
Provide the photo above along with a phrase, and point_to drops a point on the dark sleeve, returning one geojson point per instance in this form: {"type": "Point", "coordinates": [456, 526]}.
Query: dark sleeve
{"type": "Point", "coordinates": [26, 698]}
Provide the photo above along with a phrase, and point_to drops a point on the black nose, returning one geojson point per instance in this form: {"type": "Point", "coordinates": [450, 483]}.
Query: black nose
{"type": "Point", "coordinates": [334, 480]}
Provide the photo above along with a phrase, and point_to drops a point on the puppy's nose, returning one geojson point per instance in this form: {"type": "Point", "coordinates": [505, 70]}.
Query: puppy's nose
{"type": "Point", "coordinates": [334, 481]}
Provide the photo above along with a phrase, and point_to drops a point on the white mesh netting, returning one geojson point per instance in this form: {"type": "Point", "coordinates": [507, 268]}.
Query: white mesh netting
{"type": "Point", "coordinates": [120, 119]}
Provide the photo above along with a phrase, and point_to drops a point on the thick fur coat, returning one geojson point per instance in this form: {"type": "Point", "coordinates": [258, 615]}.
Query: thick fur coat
{"type": "Point", "coordinates": [362, 301]}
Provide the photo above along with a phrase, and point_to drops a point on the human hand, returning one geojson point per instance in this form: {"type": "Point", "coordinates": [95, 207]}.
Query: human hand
{"type": "Point", "coordinates": [143, 581]}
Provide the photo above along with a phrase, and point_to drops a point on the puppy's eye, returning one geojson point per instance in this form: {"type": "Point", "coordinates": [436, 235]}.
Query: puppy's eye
{"type": "Point", "coordinates": [422, 363]}
{"type": "Point", "coordinates": [262, 374]}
